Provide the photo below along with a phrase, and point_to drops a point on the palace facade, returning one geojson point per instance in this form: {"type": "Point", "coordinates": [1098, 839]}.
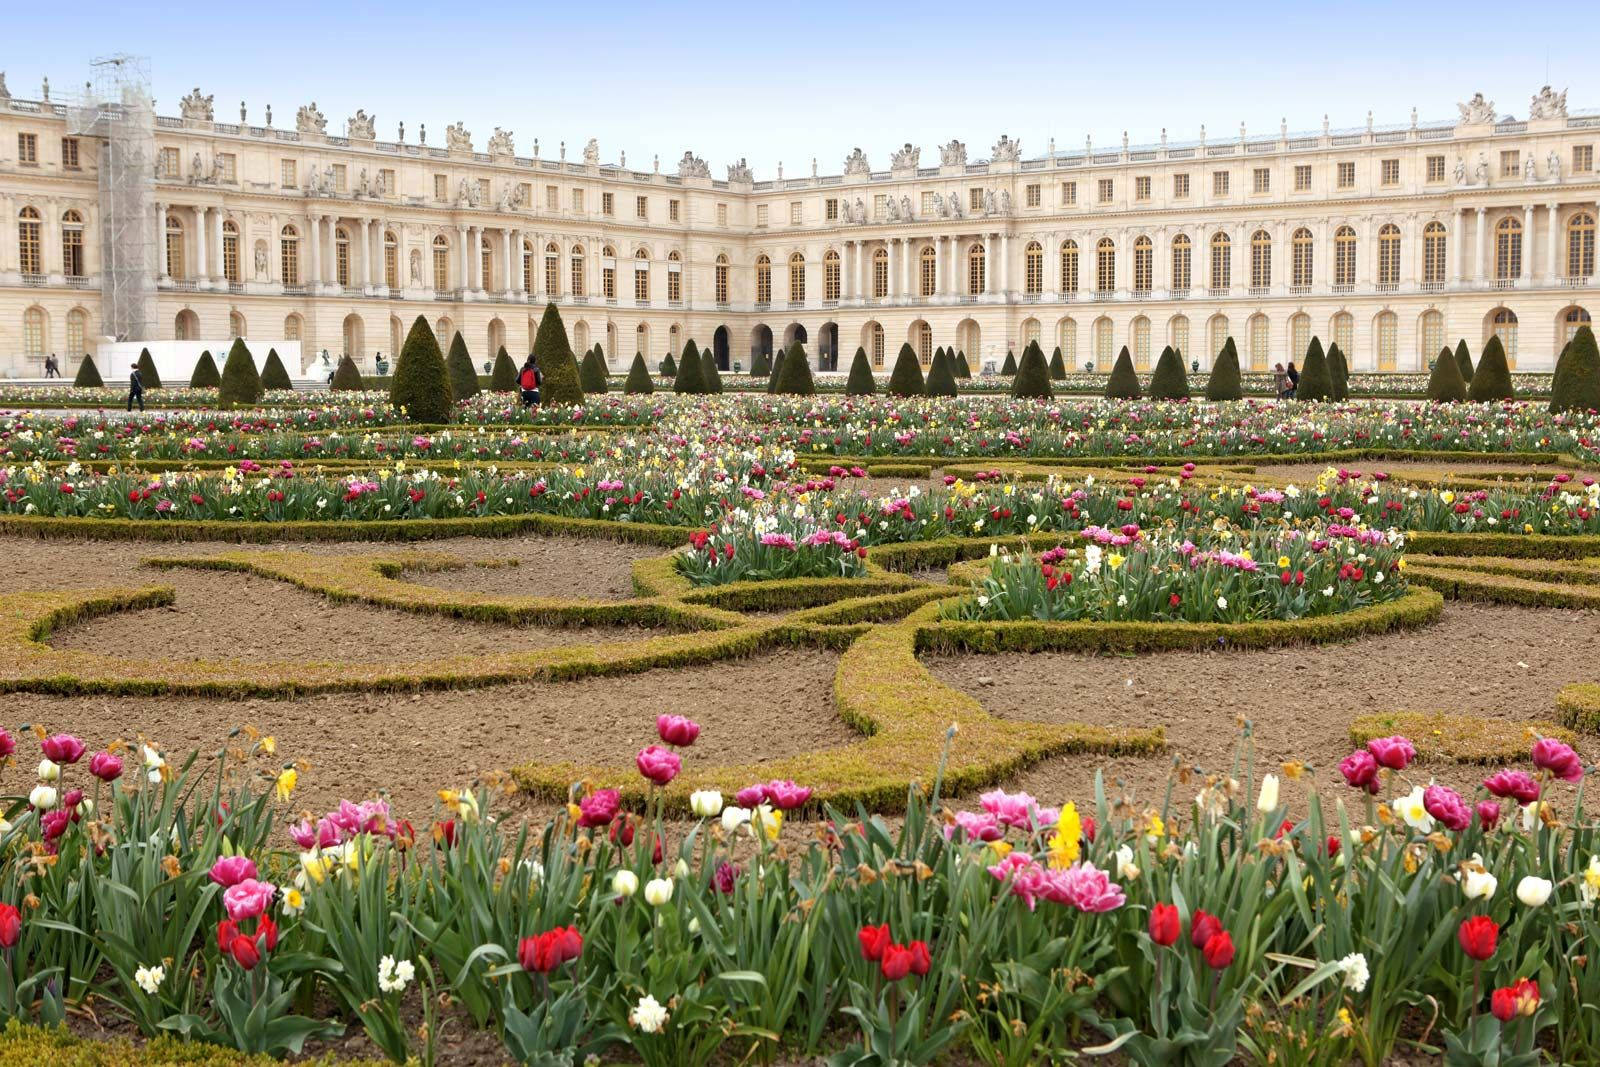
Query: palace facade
{"type": "Point", "coordinates": [1391, 240]}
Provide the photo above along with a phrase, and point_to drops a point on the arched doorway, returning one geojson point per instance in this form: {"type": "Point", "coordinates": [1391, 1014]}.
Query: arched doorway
{"type": "Point", "coordinates": [760, 343]}
{"type": "Point", "coordinates": [186, 327]}
{"type": "Point", "coordinates": [795, 332]}
{"type": "Point", "coordinates": [872, 342]}
{"type": "Point", "coordinates": [1502, 323]}
{"type": "Point", "coordinates": [1568, 323]}
{"type": "Point", "coordinates": [969, 339]}
{"type": "Point", "coordinates": [355, 337]}
{"type": "Point", "coordinates": [828, 346]}
{"type": "Point", "coordinates": [497, 340]}
{"type": "Point", "coordinates": [719, 347]}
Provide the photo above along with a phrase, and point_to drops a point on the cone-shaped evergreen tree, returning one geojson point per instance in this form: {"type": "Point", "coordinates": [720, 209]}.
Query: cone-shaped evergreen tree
{"type": "Point", "coordinates": [639, 382]}
{"type": "Point", "coordinates": [421, 384]}
{"type": "Point", "coordinates": [557, 364]}
{"type": "Point", "coordinates": [1033, 374]}
{"type": "Point", "coordinates": [1124, 382]}
{"type": "Point", "coordinates": [774, 370]}
{"type": "Point", "coordinates": [592, 373]}
{"type": "Point", "coordinates": [88, 375]}
{"type": "Point", "coordinates": [689, 379]}
{"type": "Point", "coordinates": [240, 385]}
{"type": "Point", "coordinates": [963, 369]}
{"type": "Point", "coordinates": [669, 367]}
{"type": "Point", "coordinates": [1058, 366]}
{"type": "Point", "coordinates": [906, 378]}
{"type": "Point", "coordinates": [503, 379]}
{"type": "Point", "coordinates": [1339, 367]}
{"type": "Point", "coordinates": [794, 376]}
{"type": "Point", "coordinates": [941, 381]}
{"type": "Point", "coordinates": [273, 373]}
{"type": "Point", "coordinates": [1464, 360]}
{"type": "Point", "coordinates": [463, 377]}
{"type": "Point", "coordinates": [1444, 381]}
{"type": "Point", "coordinates": [760, 365]}
{"type": "Point", "coordinates": [861, 381]}
{"type": "Point", "coordinates": [1010, 366]}
{"type": "Point", "coordinates": [1576, 386]}
{"type": "Point", "coordinates": [709, 373]}
{"type": "Point", "coordinates": [1316, 380]}
{"type": "Point", "coordinates": [205, 375]}
{"type": "Point", "coordinates": [1491, 379]}
{"type": "Point", "coordinates": [1170, 381]}
{"type": "Point", "coordinates": [1225, 382]}
{"type": "Point", "coordinates": [347, 376]}
{"type": "Point", "coordinates": [147, 370]}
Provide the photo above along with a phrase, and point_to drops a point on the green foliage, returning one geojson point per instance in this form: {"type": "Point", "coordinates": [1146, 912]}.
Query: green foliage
{"type": "Point", "coordinates": [205, 374]}
{"type": "Point", "coordinates": [463, 376]}
{"type": "Point", "coordinates": [1444, 381]}
{"type": "Point", "coordinates": [861, 381]}
{"type": "Point", "coordinates": [963, 370]}
{"type": "Point", "coordinates": [774, 370]}
{"type": "Point", "coordinates": [347, 376]}
{"type": "Point", "coordinates": [421, 385]}
{"type": "Point", "coordinates": [941, 382]}
{"type": "Point", "coordinates": [240, 385]}
{"type": "Point", "coordinates": [690, 378]}
{"type": "Point", "coordinates": [1339, 367]}
{"type": "Point", "coordinates": [1123, 384]}
{"type": "Point", "coordinates": [1464, 360]}
{"type": "Point", "coordinates": [794, 376]}
{"type": "Point", "coordinates": [1010, 366]}
{"type": "Point", "coordinates": [88, 375]}
{"type": "Point", "coordinates": [1316, 380]}
{"type": "Point", "coordinates": [147, 370]}
{"type": "Point", "coordinates": [1491, 381]}
{"type": "Point", "coordinates": [1033, 374]}
{"type": "Point", "coordinates": [709, 373]}
{"type": "Point", "coordinates": [1170, 381]}
{"type": "Point", "coordinates": [1226, 382]}
{"type": "Point", "coordinates": [556, 362]}
{"type": "Point", "coordinates": [1577, 380]}
{"type": "Point", "coordinates": [760, 365]}
{"type": "Point", "coordinates": [273, 373]}
{"type": "Point", "coordinates": [639, 382]}
{"type": "Point", "coordinates": [503, 379]}
{"type": "Point", "coordinates": [1058, 366]}
{"type": "Point", "coordinates": [592, 372]}
{"type": "Point", "coordinates": [669, 367]}
{"type": "Point", "coordinates": [906, 378]}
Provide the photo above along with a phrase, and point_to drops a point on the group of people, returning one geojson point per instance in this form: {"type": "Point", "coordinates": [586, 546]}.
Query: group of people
{"type": "Point", "coordinates": [1286, 381]}
{"type": "Point", "coordinates": [52, 366]}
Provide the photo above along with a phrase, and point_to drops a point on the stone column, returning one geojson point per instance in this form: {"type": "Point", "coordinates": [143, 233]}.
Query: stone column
{"type": "Point", "coordinates": [463, 281]}
{"type": "Point", "coordinates": [513, 262]}
{"type": "Point", "coordinates": [847, 281]}
{"type": "Point", "coordinates": [1481, 241]}
{"type": "Point", "coordinates": [908, 274]}
{"type": "Point", "coordinates": [201, 275]}
{"type": "Point", "coordinates": [314, 264]}
{"type": "Point", "coordinates": [938, 268]}
{"type": "Point", "coordinates": [366, 255]}
{"type": "Point", "coordinates": [1454, 255]}
{"type": "Point", "coordinates": [216, 226]}
{"type": "Point", "coordinates": [1527, 245]}
{"type": "Point", "coordinates": [1410, 257]}
{"type": "Point", "coordinates": [991, 248]}
{"type": "Point", "coordinates": [861, 253]}
{"type": "Point", "coordinates": [274, 250]}
{"type": "Point", "coordinates": [161, 240]}
{"type": "Point", "coordinates": [1553, 258]}
{"type": "Point", "coordinates": [1005, 264]}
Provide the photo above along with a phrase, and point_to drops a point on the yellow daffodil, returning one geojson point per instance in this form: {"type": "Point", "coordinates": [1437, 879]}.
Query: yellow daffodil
{"type": "Point", "coordinates": [287, 778]}
{"type": "Point", "coordinates": [1066, 842]}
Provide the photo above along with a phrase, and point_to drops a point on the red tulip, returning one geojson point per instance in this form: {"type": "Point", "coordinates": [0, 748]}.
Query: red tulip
{"type": "Point", "coordinates": [10, 925]}
{"type": "Point", "coordinates": [8, 744]}
{"type": "Point", "coordinates": [105, 766]}
{"type": "Point", "coordinates": [598, 808]}
{"type": "Point", "coordinates": [528, 955]}
{"type": "Point", "coordinates": [1478, 936]}
{"type": "Point", "coordinates": [1395, 753]}
{"type": "Point", "coordinates": [1519, 998]}
{"type": "Point", "coordinates": [921, 960]}
{"type": "Point", "coordinates": [1218, 950]}
{"type": "Point", "coordinates": [267, 932]}
{"type": "Point", "coordinates": [62, 748]}
{"type": "Point", "coordinates": [1201, 927]}
{"type": "Point", "coordinates": [677, 730]}
{"type": "Point", "coordinates": [896, 962]}
{"type": "Point", "coordinates": [227, 930]}
{"type": "Point", "coordinates": [874, 939]}
{"type": "Point", "coordinates": [569, 941]}
{"type": "Point", "coordinates": [245, 953]}
{"type": "Point", "coordinates": [1165, 924]}
{"type": "Point", "coordinates": [1550, 755]}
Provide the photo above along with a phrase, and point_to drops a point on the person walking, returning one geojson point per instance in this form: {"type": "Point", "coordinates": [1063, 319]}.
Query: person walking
{"type": "Point", "coordinates": [1280, 381]}
{"type": "Point", "coordinates": [52, 369]}
{"type": "Point", "coordinates": [135, 388]}
{"type": "Point", "coordinates": [1294, 380]}
{"type": "Point", "coordinates": [529, 381]}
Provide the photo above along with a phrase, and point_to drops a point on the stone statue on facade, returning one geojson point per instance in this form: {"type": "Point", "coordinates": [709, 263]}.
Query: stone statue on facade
{"type": "Point", "coordinates": [197, 108]}
{"type": "Point", "coordinates": [381, 186]}
{"type": "Point", "coordinates": [1006, 150]}
{"type": "Point", "coordinates": [1553, 166]}
{"type": "Point", "coordinates": [5, 94]}
{"type": "Point", "coordinates": [907, 158]}
{"type": "Point", "coordinates": [740, 171]}
{"type": "Point", "coordinates": [216, 170]}
{"type": "Point", "coordinates": [310, 120]}
{"type": "Point", "coordinates": [500, 143]}
{"type": "Point", "coordinates": [591, 153]}
{"type": "Point", "coordinates": [953, 154]}
{"type": "Point", "coordinates": [1528, 173]}
{"type": "Point", "coordinates": [1481, 171]}
{"type": "Point", "coordinates": [940, 208]}
{"type": "Point", "coordinates": [1476, 111]}
{"type": "Point", "coordinates": [261, 259]}
{"type": "Point", "coordinates": [692, 166]}
{"type": "Point", "coordinates": [893, 208]}
{"type": "Point", "coordinates": [327, 180]}
{"type": "Point", "coordinates": [467, 194]}
{"type": "Point", "coordinates": [1005, 201]}
{"type": "Point", "coordinates": [856, 163]}
{"type": "Point", "coordinates": [859, 214]}
{"type": "Point", "coordinates": [196, 170]}
{"type": "Point", "coordinates": [313, 181]}
{"type": "Point", "coordinates": [362, 188]}
{"type": "Point", "coordinates": [361, 127]}
{"type": "Point", "coordinates": [989, 205]}
{"type": "Point", "coordinates": [1548, 105]}
{"type": "Point", "coordinates": [905, 208]}
{"type": "Point", "coordinates": [416, 266]}
{"type": "Point", "coordinates": [1461, 171]}
{"type": "Point", "coordinates": [456, 137]}
{"type": "Point", "coordinates": [956, 208]}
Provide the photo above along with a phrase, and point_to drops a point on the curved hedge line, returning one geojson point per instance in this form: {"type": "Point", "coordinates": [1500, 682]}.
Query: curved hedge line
{"type": "Point", "coordinates": [30, 1046]}
{"type": "Point", "coordinates": [1579, 706]}
{"type": "Point", "coordinates": [1461, 738]}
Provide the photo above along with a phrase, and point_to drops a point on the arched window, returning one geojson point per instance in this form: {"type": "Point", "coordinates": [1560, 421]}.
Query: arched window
{"type": "Point", "coordinates": [552, 270]}
{"type": "Point", "coordinates": [830, 276]}
{"type": "Point", "coordinates": [1105, 265]}
{"type": "Point", "coordinates": [1067, 338]}
{"type": "Point", "coordinates": [391, 260]}
{"type": "Point", "coordinates": [1069, 266]}
{"type": "Point", "coordinates": [577, 271]}
{"type": "Point", "coordinates": [235, 324]}
{"type": "Point", "coordinates": [1217, 330]}
{"type": "Point", "coordinates": [1507, 251]}
{"type": "Point", "coordinates": [976, 265]}
{"type": "Point", "coordinates": [763, 279]}
{"type": "Point", "coordinates": [1178, 331]}
{"type": "Point", "coordinates": [186, 326]}
{"type": "Point", "coordinates": [1430, 336]}
{"type": "Point", "coordinates": [1389, 256]}
{"type": "Point", "coordinates": [641, 340]}
{"type": "Point", "coordinates": [1433, 252]}
{"type": "Point", "coordinates": [1030, 332]}
{"type": "Point", "coordinates": [230, 251]}
{"type": "Point", "coordinates": [33, 331]}
{"type": "Point", "coordinates": [1580, 245]}
{"type": "Point", "coordinates": [1387, 328]}
{"type": "Point", "coordinates": [291, 328]}
{"type": "Point", "coordinates": [641, 274]}
{"type": "Point", "coordinates": [924, 336]}
{"type": "Point", "coordinates": [1260, 342]}
{"type": "Point", "coordinates": [1344, 334]}
{"type": "Point", "coordinates": [1574, 320]}
{"type": "Point", "coordinates": [30, 255]}
{"type": "Point", "coordinates": [722, 278]}
{"type": "Point", "coordinates": [1182, 251]}
{"type": "Point", "coordinates": [674, 277]}
{"type": "Point", "coordinates": [1344, 257]}
{"type": "Point", "coordinates": [1299, 334]}
{"type": "Point", "coordinates": [797, 278]}
{"type": "Point", "coordinates": [341, 256]}
{"type": "Point", "coordinates": [1302, 255]}
{"type": "Point", "coordinates": [1141, 343]}
{"type": "Point", "coordinates": [1033, 269]}
{"type": "Point", "coordinates": [441, 263]}
{"type": "Point", "coordinates": [289, 255]}
{"type": "Point", "coordinates": [72, 252]}
{"type": "Point", "coordinates": [1504, 323]}
{"type": "Point", "coordinates": [608, 272]}
{"type": "Point", "coordinates": [486, 264]}
{"type": "Point", "coordinates": [1103, 341]}
{"type": "Point", "coordinates": [1221, 261]}
{"type": "Point", "coordinates": [875, 335]}
{"type": "Point", "coordinates": [77, 326]}
{"type": "Point", "coordinates": [928, 270]}
{"type": "Point", "coordinates": [174, 247]}
{"type": "Point", "coordinates": [1260, 259]}
{"type": "Point", "coordinates": [880, 273]}
{"type": "Point", "coordinates": [1143, 266]}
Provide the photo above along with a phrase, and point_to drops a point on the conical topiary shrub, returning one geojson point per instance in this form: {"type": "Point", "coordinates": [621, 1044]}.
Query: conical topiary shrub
{"type": "Point", "coordinates": [240, 384]}
{"type": "Point", "coordinates": [639, 382]}
{"type": "Point", "coordinates": [592, 373]}
{"type": "Point", "coordinates": [1124, 382]}
{"type": "Point", "coordinates": [1491, 379]}
{"type": "Point", "coordinates": [1170, 381]}
{"type": "Point", "coordinates": [1316, 380]}
{"type": "Point", "coordinates": [709, 373]}
{"type": "Point", "coordinates": [760, 365]}
{"type": "Point", "coordinates": [1225, 382]}
{"type": "Point", "coordinates": [1444, 381]}
{"type": "Point", "coordinates": [557, 365]}
{"type": "Point", "coordinates": [1339, 367]}
{"type": "Point", "coordinates": [273, 373]}
{"type": "Point", "coordinates": [205, 375]}
{"type": "Point", "coordinates": [148, 374]}
{"type": "Point", "coordinates": [861, 382]}
{"type": "Point", "coordinates": [347, 376]}
{"type": "Point", "coordinates": [503, 379]}
{"type": "Point", "coordinates": [1464, 360]}
{"type": "Point", "coordinates": [774, 370]}
{"type": "Point", "coordinates": [963, 369]}
{"type": "Point", "coordinates": [941, 381]}
{"type": "Point", "coordinates": [906, 378]}
{"type": "Point", "coordinates": [421, 385]}
{"type": "Point", "coordinates": [794, 376]}
{"type": "Point", "coordinates": [1058, 366]}
{"type": "Point", "coordinates": [669, 367]}
{"type": "Point", "coordinates": [1010, 366]}
{"type": "Point", "coordinates": [1033, 374]}
{"type": "Point", "coordinates": [689, 379]}
{"type": "Point", "coordinates": [463, 376]}
{"type": "Point", "coordinates": [1576, 386]}
{"type": "Point", "coordinates": [88, 375]}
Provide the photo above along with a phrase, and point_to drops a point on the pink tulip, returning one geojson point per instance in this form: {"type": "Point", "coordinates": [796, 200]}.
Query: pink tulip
{"type": "Point", "coordinates": [249, 899]}
{"type": "Point", "coordinates": [1445, 804]}
{"type": "Point", "coordinates": [1013, 809]}
{"type": "Point", "coordinates": [62, 748]}
{"type": "Point", "coordinates": [229, 871]}
{"type": "Point", "coordinates": [1395, 753]}
{"type": "Point", "coordinates": [598, 808]}
{"type": "Point", "coordinates": [1087, 888]}
{"type": "Point", "coordinates": [105, 766]}
{"type": "Point", "coordinates": [976, 826]}
{"type": "Point", "coordinates": [657, 764]}
{"type": "Point", "coordinates": [304, 834]}
{"type": "Point", "coordinates": [1488, 814]}
{"type": "Point", "coordinates": [1360, 770]}
{"type": "Point", "coordinates": [677, 730]}
{"type": "Point", "coordinates": [785, 795]}
{"type": "Point", "coordinates": [8, 744]}
{"type": "Point", "coordinates": [1513, 785]}
{"type": "Point", "coordinates": [751, 796]}
{"type": "Point", "coordinates": [1558, 758]}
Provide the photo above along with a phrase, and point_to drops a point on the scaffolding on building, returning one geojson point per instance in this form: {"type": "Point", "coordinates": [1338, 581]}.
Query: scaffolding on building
{"type": "Point", "coordinates": [116, 110]}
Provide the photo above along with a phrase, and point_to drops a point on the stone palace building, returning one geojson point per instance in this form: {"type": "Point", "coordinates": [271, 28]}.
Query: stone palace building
{"type": "Point", "coordinates": [1391, 240]}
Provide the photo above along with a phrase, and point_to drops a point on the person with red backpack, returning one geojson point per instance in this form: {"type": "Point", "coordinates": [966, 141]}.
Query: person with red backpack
{"type": "Point", "coordinates": [529, 381]}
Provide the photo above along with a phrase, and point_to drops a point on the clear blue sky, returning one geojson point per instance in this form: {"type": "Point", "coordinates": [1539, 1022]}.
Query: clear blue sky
{"type": "Point", "coordinates": [776, 81]}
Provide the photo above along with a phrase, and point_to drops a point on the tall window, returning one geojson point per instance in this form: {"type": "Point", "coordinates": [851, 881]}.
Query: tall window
{"type": "Point", "coordinates": [608, 272]}
{"type": "Point", "coordinates": [1069, 266]}
{"type": "Point", "coordinates": [928, 271]}
{"type": "Point", "coordinates": [1067, 338]}
{"type": "Point", "coordinates": [722, 279]}
{"type": "Point", "coordinates": [1507, 249]}
{"type": "Point", "coordinates": [1433, 251]}
{"type": "Point", "coordinates": [1179, 328]}
{"type": "Point", "coordinates": [1387, 330]}
{"type": "Point", "coordinates": [1302, 257]}
{"type": "Point", "coordinates": [528, 264]}
{"type": "Point", "coordinates": [975, 269]}
{"type": "Point", "coordinates": [1344, 256]}
{"type": "Point", "coordinates": [924, 334]}
{"type": "Point", "coordinates": [641, 275]}
{"type": "Point", "coordinates": [291, 328]}
{"type": "Point", "coordinates": [1260, 259]}
{"type": "Point", "coordinates": [1033, 268]}
{"type": "Point", "coordinates": [1505, 328]}
{"type": "Point", "coordinates": [289, 255]}
{"type": "Point", "coordinates": [1143, 267]}
{"type": "Point", "coordinates": [391, 260]}
{"type": "Point", "coordinates": [230, 251]}
{"type": "Point", "coordinates": [1299, 334]}
{"type": "Point", "coordinates": [1181, 258]}
{"type": "Point", "coordinates": [763, 279]}
{"type": "Point", "coordinates": [174, 247]}
{"type": "Point", "coordinates": [1389, 255]}
{"type": "Point", "coordinates": [1344, 334]}
{"type": "Point", "coordinates": [552, 270]}
{"type": "Point", "coordinates": [577, 273]}
{"type": "Point", "coordinates": [33, 331]}
{"type": "Point", "coordinates": [1571, 322]}
{"type": "Point", "coordinates": [1580, 245]}
{"type": "Point", "coordinates": [797, 278]}
{"type": "Point", "coordinates": [1218, 331]}
{"type": "Point", "coordinates": [441, 263]}
{"type": "Point", "coordinates": [28, 244]}
{"type": "Point", "coordinates": [674, 277]}
{"type": "Point", "coordinates": [485, 264]}
{"type": "Point", "coordinates": [880, 273]}
{"type": "Point", "coordinates": [1141, 343]}
{"type": "Point", "coordinates": [1105, 265]}
{"type": "Point", "coordinates": [1432, 332]}
{"type": "Point", "coordinates": [1260, 342]}
{"type": "Point", "coordinates": [72, 249]}
{"type": "Point", "coordinates": [830, 275]}
{"type": "Point", "coordinates": [76, 322]}
{"type": "Point", "coordinates": [1103, 340]}
{"type": "Point", "coordinates": [876, 336]}
{"type": "Point", "coordinates": [341, 257]}
{"type": "Point", "coordinates": [1221, 260]}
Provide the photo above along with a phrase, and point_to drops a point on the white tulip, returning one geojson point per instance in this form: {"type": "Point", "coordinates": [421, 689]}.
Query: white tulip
{"type": "Point", "coordinates": [706, 803]}
{"type": "Point", "coordinates": [648, 1016]}
{"type": "Point", "coordinates": [1534, 891]}
{"type": "Point", "coordinates": [1355, 971]}
{"type": "Point", "coordinates": [1268, 800]}
{"type": "Point", "coordinates": [658, 891]}
{"type": "Point", "coordinates": [1476, 882]}
{"type": "Point", "coordinates": [625, 883]}
{"type": "Point", "coordinates": [733, 818]}
{"type": "Point", "coordinates": [43, 797]}
{"type": "Point", "coordinates": [49, 771]}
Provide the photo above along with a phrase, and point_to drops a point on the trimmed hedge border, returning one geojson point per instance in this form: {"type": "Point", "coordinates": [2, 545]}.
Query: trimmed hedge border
{"type": "Point", "coordinates": [1516, 546]}
{"type": "Point", "coordinates": [1459, 738]}
{"type": "Point", "coordinates": [31, 1046]}
{"type": "Point", "coordinates": [1578, 705]}
{"type": "Point", "coordinates": [1461, 584]}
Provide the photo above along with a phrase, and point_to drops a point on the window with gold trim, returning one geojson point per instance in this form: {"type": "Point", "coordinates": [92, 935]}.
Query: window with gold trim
{"type": "Point", "coordinates": [1143, 264]}
{"type": "Point", "coordinates": [1387, 329]}
{"type": "Point", "coordinates": [1389, 172]}
{"type": "Point", "coordinates": [1432, 335]}
{"type": "Point", "coordinates": [722, 278]}
{"type": "Point", "coordinates": [577, 271]}
{"type": "Point", "coordinates": [1389, 255]}
{"type": "Point", "coordinates": [1105, 265]}
{"type": "Point", "coordinates": [641, 275]}
{"type": "Point", "coordinates": [797, 278]}
{"type": "Point", "coordinates": [174, 248]}
{"type": "Point", "coordinates": [77, 327]}
{"type": "Point", "coordinates": [230, 251]}
{"type": "Point", "coordinates": [1345, 175]}
{"type": "Point", "coordinates": [928, 272]}
{"type": "Point", "coordinates": [1344, 334]}
{"type": "Point", "coordinates": [1507, 249]}
{"type": "Point", "coordinates": [72, 246]}
{"type": "Point", "coordinates": [1182, 254]}
{"type": "Point", "coordinates": [880, 273]}
{"type": "Point", "coordinates": [289, 255]}
{"type": "Point", "coordinates": [1302, 178]}
{"type": "Point", "coordinates": [1505, 327]}
{"type": "Point", "coordinates": [33, 331]}
{"type": "Point", "coordinates": [674, 277]}
{"type": "Point", "coordinates": [763, 279]}
{"type": "Point", "coordinates": [1033, 269]}
{"type": "Point", "coordinates": [1260, 259]}
{"type": "Point", "coordinates": [924, 343]}
{"type": "Point", "coordinates": [1069, 266]}
{"type": "Point", "coordinates": [552, 270]}
{"type": "Point", "coordinates": [1580, 245]}
{"type": "Point", "coordinates": [975, 269]}
{"type": "Point", "coordinates": [1302, 257]}
{"type": "Point", "coordinates": [441, 263]}
{"type": "Point", "coordinates": [608, 273]}
{"type": "Point", "coordinates": [830, 275]}
{"type": "Point", "coordinates": [876, 335]}
{"type": "Point", "coordinates": [1433, 252]}
{"type": "Point", "coordinates": [1221, 260]}
{"type": "Point", "coordinates": [341, 257]}
{"type": "Point", "coordinates": [1344, 256]}
{"type": "Point", "coordinates": [391, 262]}
{"type": "Point", "coordinates": [1574, 320]}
